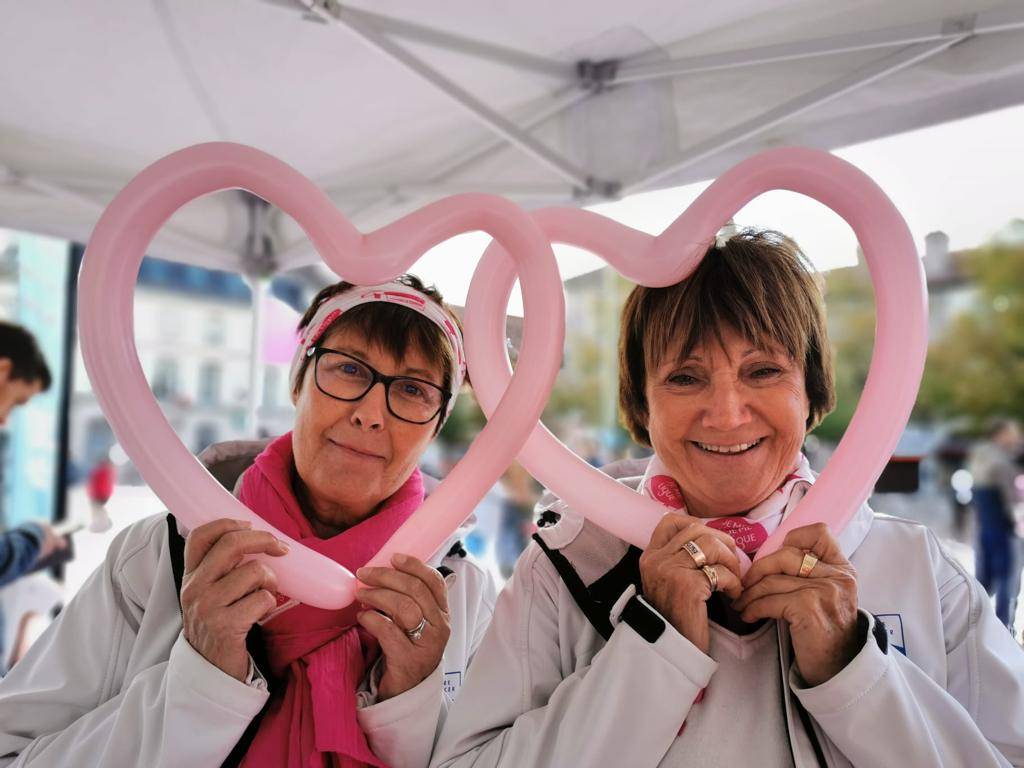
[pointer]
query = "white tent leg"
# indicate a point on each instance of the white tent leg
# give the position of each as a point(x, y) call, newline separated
point(833, 90)
point(259, 287)
point(892, 37)
point(476, 108)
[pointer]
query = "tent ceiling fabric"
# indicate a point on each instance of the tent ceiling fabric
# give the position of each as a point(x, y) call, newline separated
point(390, 104)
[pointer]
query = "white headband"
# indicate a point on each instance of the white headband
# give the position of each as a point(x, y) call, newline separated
point(394, 293)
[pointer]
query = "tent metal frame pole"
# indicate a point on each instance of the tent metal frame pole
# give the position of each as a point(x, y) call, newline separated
point(954, 28)
point(863, 76)
point(474, 106)
point(438, 38)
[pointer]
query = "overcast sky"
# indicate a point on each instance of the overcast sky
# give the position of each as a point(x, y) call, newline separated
point(965, 178)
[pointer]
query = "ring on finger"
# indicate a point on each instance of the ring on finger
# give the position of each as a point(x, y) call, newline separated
point(417, 633)
point(696, 553)
point(712, 575)
point(807, 564)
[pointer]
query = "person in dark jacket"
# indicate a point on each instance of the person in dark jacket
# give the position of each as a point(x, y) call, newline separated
point(992, 465)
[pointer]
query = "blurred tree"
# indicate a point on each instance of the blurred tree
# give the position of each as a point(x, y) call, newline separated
point(851, 325)
point(975, 369)
point(975, 366)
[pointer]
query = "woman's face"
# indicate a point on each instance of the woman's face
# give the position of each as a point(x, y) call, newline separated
point(353, 455)
point(728, 422)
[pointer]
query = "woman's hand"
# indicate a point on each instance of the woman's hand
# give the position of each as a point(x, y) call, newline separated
point(222, 597)
point(673, 583)
point(820, 608)
point(403, 597)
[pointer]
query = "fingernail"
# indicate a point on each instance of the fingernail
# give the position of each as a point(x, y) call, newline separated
point(450, 580)
point(362, 572)
point(399, 559)
point(283, 546)
point(244, 523)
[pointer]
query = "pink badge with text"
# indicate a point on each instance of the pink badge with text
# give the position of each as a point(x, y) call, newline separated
point(748, 536)
point(666, 490)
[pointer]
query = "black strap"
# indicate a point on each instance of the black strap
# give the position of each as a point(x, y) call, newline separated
point(591, 609)
point(253, 641)
point(457, 550)
point(176, 547)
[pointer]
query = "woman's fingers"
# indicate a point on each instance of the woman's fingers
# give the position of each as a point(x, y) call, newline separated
point(242, 580)
point(231, 548)
point(669, 525)
point(816, 538)
point(425, 586)
point(393, 641)
point(400, 607)
point(786, 560)
point(775, 584)
point(251, 608)
point(728, 582)
point(199, 540)
point(718, 547)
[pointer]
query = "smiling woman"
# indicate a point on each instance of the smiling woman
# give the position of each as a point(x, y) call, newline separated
point(662, 656)
point(241, 675)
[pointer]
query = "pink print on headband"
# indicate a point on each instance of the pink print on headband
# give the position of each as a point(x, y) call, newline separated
point(395, 296)
point(323, 327)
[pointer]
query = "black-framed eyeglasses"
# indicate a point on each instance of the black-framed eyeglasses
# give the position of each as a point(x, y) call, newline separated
point(343, 377)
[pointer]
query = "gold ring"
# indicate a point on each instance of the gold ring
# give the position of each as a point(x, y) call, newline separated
point(696, 553)
point(807, 565)
point(712, 575)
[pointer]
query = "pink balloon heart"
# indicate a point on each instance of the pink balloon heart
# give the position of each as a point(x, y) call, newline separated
point(896, 364)
point(106, 290)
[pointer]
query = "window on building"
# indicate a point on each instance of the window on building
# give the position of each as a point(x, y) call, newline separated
point(165, 379)
point(214, 328)
point(209, 384)
point(206, 435)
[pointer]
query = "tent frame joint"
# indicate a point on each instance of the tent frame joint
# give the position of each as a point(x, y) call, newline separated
point(596, 76)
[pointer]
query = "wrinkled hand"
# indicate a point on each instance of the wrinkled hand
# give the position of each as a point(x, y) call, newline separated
point(821, 608)
point(403, 596)
point(222, 596)
point(673, 583)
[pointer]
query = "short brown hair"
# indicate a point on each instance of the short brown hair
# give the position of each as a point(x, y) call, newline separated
point(759, 284)
point(391, 327)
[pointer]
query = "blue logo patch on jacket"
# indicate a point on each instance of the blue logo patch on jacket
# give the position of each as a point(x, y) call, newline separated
point(452, 683)
point(894, 628)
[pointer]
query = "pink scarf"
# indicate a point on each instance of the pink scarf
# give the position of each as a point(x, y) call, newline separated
point(323, 655)
point(750, 529)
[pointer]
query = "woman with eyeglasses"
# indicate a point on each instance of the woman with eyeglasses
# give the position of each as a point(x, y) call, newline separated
point(180, 651)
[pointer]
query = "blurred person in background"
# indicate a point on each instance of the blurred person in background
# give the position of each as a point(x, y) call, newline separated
point(521, 492)
point(23, 375)
point(993, 467)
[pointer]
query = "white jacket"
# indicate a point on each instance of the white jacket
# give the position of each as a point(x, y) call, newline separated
point(545, 688)
point(113, 682)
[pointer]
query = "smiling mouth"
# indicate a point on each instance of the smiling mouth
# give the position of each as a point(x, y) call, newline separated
point(728, 450)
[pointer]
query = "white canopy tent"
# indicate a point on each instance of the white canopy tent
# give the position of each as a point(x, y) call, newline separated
point(569, 102)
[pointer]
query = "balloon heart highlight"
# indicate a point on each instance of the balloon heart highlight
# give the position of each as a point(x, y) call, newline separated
point(896, 363)
point(106, 291)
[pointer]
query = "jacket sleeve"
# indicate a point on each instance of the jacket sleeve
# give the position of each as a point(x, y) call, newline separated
point(976, 720)
point(528, 702)
point(61, 706)
point(402, 730)
point(19, 548)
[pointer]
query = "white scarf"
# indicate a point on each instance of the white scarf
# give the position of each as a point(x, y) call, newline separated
point(750, 529)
